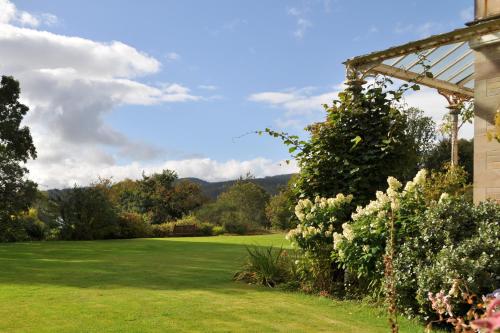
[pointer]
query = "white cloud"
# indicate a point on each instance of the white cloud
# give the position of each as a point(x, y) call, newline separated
point(70, 85)
point(434, 105)
point(73, 172)
point(173, 56)
point(302, 24)
point(27, 49)
point(302, 106)
point(208, 87)
point(9, 14)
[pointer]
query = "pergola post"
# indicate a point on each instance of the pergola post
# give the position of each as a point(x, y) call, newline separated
point(461, 64)
point(455, 103)
point(454, 134)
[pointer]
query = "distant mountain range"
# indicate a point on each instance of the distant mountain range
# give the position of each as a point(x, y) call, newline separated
point(271, 184)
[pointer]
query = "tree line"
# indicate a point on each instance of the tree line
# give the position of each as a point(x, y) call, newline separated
point(351, 152)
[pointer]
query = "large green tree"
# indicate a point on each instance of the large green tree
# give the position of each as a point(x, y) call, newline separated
point(161, 196)
point(16, 148)
point(240, 209)
point(280, 210)
point(422, 131)
point(88, 213)
point(362, 141)
point(440, 156)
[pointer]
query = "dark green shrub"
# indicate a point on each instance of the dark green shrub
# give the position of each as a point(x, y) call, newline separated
point(133, 225)
point(236, 222)
point(362, 141)
point(218, 230)
point(87, 213)
point(205, 229)
point(280, 210)
point(12, 231)
point(469, 254)
point(240, 210)
point(34, 227)
point(25, 226)
point(162, 230)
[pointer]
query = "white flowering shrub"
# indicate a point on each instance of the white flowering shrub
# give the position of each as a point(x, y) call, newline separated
point(361, 244)
point(318, 221)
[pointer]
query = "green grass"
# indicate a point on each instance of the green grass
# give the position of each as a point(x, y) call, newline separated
point(159, 285)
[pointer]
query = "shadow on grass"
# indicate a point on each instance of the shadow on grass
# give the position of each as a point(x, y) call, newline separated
point(161, 264)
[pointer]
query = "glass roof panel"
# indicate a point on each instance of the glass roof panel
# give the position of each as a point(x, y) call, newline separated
point(447, 56)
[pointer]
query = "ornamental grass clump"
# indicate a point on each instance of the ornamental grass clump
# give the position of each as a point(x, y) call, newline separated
point(265, 266)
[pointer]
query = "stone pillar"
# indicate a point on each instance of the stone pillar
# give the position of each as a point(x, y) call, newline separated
point(486, 104)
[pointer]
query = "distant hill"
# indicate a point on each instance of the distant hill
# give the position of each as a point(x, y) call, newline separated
point(271, 184)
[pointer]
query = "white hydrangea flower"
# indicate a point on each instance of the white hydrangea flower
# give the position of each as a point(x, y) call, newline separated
point(420, 177)
point(391, 193)
point(444, 196)
point(337, 239)
point(410, 186)
point(347, 232)
point(394, 184)
point(395, 204)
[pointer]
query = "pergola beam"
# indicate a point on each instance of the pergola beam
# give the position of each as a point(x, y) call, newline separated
point(419, 78)
point(455, 36)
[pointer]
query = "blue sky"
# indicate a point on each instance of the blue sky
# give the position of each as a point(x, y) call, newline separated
point(226, 67)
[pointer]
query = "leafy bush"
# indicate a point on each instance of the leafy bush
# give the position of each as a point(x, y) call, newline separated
point(187, 220)
point(362, 141)
point(318, 221)
point(265, 266)
point(87, 213)
point(280, 210)
point(133, 225)
point(162, 230)
point(240, 210)
point(35, 229)
point(468, 254)
point(205, 229)
point(167, 229)
point(218, 230)
point(25, 226)
point(438, 242)
point(161, 196)
point(439, 156)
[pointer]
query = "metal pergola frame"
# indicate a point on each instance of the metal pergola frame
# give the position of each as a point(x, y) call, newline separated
point(447, 55)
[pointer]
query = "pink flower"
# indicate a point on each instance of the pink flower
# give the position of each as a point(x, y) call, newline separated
point(492, 320)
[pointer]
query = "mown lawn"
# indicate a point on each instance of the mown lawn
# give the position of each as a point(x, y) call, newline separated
point(159, 285)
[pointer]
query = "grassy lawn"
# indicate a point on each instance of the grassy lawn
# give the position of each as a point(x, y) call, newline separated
point(159, 285)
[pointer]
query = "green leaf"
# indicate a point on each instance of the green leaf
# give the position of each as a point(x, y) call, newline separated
point(356, 140)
